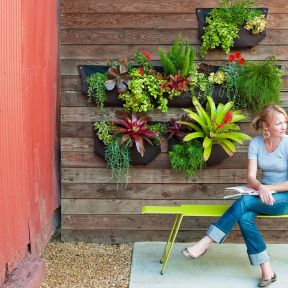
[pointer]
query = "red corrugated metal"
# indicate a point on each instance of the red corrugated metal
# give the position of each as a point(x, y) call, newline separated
point(28, 57)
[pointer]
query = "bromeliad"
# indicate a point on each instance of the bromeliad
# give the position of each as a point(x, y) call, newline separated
point(134, 128)
point(216, 125)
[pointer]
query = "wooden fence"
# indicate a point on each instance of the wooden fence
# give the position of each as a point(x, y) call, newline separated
point(93, 31)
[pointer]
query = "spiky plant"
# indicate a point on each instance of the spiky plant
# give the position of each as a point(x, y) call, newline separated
point(215, 126)
point(179, 59)
point(133, 128)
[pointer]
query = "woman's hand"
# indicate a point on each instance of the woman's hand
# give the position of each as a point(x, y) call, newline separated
point(265, 195)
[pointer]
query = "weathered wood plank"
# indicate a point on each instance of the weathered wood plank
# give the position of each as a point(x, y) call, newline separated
point(143, 191)
point(127, 206)
point(148, 36)
point(130, 236)
point(92, 114)
point(89, 159)
point(151, 6)
point(72, 83)
point(146, 21)
point(100, 52)
point(84, 130)
point(69, 66)
point(146, 175)
point(153, 222)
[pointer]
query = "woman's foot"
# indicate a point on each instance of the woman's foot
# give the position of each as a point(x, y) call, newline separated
point(198, 249)
point(185, 252)
point(266, 282)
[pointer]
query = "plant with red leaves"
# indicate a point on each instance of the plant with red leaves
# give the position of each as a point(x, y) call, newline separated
point(134, 128)
point(175, 84)
point(178, 130)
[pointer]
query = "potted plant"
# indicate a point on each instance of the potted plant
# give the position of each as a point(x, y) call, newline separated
point(102, 84)
point(182, 80)
point(216, 127)
point(235, 24)
point(259, 83)
point(126, 139)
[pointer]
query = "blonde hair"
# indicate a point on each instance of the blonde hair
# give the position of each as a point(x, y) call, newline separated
point(267, 112)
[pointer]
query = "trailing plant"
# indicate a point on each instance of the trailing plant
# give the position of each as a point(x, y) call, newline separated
point(187, 157)
point(117, 157)
point(215, 125)
point(133, 128)
point(223, 24)
point(96, 89)
point(118, 77)
point(260, 84)
point(179, 59)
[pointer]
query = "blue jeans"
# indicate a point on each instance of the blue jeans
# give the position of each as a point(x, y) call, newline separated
point(244, 211)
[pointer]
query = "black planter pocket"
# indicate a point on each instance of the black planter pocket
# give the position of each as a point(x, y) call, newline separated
point(151, 151)
point(219, 94)
point(246, 40)
point(184, 100)
point(217, 156)
point(85, 71)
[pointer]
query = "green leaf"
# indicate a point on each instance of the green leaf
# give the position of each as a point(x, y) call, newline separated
point(207, 142)
point(193, 135)
point(207, 152)
point(189, 124)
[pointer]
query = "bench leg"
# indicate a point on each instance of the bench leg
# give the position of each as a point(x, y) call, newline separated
point(170, 242)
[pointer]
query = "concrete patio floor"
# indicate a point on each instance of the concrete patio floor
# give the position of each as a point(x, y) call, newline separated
point(225, 265)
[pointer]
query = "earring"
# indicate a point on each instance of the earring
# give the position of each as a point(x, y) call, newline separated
point(266, 134)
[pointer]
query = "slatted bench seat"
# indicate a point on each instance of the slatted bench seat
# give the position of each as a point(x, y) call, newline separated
point(190, 211)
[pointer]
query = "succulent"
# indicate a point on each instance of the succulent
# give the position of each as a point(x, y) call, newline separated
point(118, 76)
point(133, 128)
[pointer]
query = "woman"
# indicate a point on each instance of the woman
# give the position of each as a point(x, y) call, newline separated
point(269, 152)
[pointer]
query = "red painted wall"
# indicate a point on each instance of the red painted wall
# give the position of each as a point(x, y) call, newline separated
point(28, 127)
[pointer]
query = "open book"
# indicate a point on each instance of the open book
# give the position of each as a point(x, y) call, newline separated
point(238, 191)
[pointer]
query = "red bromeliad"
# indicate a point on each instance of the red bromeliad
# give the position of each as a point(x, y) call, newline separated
point(134, 128)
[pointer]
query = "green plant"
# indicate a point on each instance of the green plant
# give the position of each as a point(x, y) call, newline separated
point(117, 157)
point(187, 157)
point(215, 126)
point(260, 84)
point(144, 90)
point(223, 24)
point(103, 131)
point(160, 128)
point(96, 88)
point(179, 59)
point(133, 128)
point(232, 71)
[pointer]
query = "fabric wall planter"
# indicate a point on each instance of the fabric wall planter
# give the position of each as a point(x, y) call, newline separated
point(246, 40)
point(218, 154)
point(151, 151)
point(219, 94)
point(87, 70)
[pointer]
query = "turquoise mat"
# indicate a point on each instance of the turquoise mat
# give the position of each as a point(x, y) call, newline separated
point(223, 266)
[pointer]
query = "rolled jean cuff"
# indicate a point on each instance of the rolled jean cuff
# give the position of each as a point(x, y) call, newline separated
point(216, 234)
point(259, 258)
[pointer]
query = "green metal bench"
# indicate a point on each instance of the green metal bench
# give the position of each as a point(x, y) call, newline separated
point(187, 210)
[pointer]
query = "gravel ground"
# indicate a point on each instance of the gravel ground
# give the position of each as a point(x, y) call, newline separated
point(87, 265)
